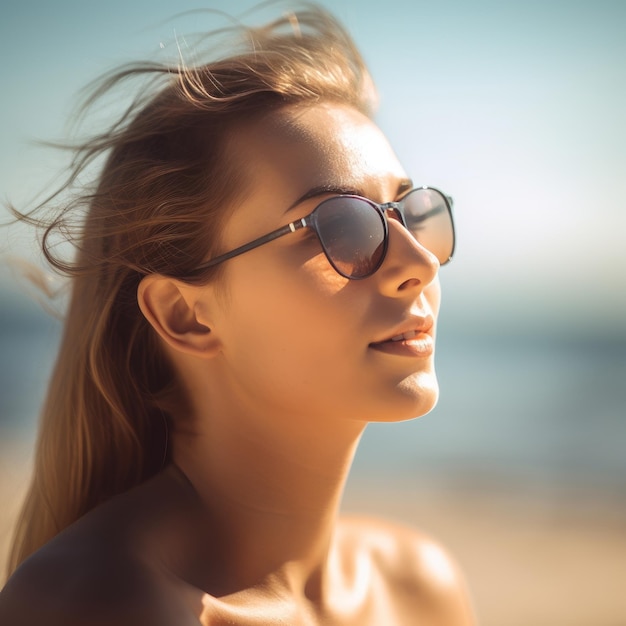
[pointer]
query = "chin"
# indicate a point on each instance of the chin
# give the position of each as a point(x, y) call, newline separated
point(414, 396)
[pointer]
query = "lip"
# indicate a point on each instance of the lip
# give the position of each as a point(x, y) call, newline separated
point(411, 338)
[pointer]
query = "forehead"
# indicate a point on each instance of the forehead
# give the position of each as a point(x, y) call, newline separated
point(297, 148)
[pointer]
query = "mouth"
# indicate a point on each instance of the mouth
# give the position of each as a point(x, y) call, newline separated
point(410, 334)
point(414, 338)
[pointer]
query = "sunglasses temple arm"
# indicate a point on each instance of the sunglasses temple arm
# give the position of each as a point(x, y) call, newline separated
point(280, 232)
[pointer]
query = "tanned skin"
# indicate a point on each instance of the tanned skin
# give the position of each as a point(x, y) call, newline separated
point(282, 373)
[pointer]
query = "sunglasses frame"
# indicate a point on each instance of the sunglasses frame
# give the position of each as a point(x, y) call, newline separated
point(310, 221)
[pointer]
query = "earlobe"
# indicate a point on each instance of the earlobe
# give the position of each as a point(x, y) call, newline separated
point(170, 307)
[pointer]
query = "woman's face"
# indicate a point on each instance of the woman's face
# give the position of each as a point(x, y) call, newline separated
point(296, 337)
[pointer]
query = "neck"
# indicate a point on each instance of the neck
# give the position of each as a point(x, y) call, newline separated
point(271, 491)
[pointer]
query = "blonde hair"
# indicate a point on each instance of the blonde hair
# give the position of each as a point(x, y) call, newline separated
point(156, 207)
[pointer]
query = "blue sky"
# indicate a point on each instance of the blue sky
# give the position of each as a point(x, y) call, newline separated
point(515, 109)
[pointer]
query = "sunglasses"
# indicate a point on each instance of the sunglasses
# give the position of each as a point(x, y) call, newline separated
point(354, 232)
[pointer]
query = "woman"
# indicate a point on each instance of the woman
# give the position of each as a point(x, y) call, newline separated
point(255, 281)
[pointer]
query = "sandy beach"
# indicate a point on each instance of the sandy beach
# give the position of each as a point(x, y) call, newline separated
point(531, 559)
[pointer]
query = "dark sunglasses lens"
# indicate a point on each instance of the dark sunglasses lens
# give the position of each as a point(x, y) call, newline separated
point(429, 219)
point(352, 233)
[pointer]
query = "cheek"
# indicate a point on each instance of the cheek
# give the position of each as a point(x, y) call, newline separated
point(296, 340)
point(285, 326)
point(289, 291)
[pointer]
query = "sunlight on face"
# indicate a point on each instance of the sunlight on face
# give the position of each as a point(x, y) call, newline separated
point(310, 329)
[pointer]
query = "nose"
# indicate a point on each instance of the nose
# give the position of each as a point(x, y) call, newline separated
point(408, 265)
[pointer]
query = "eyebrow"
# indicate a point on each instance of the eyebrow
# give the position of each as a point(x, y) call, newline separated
point(404, 185)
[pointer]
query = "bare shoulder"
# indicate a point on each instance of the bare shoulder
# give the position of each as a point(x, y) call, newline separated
point(415, 572)
point(59, 587)
point(94, 573)
point(69, 583)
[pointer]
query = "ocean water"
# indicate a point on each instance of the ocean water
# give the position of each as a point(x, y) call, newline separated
point(542, 409)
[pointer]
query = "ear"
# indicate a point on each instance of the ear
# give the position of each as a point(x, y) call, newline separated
point(171, 308)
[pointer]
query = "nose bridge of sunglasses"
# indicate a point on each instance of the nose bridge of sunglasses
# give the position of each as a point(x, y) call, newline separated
point(393, 210)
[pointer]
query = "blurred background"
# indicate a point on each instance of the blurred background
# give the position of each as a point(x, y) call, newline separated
point(517, 111)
